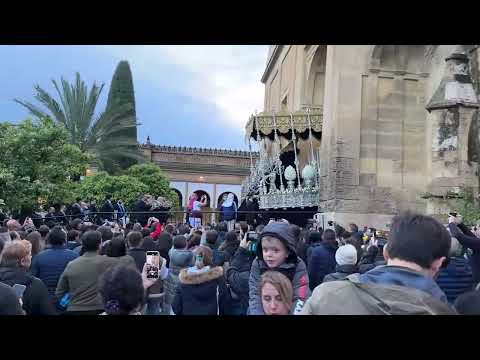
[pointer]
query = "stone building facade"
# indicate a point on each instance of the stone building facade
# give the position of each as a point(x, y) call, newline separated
point(213, 172)
point(379, 144)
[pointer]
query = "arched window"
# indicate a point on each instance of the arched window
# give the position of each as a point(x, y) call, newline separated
point(220, 198)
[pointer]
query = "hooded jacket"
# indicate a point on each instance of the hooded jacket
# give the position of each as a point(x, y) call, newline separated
point(179, 259)
point(35, 298)
point(293, 267)
point(198, 292)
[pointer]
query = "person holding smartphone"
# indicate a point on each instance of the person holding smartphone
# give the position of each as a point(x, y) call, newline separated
point(468, 239)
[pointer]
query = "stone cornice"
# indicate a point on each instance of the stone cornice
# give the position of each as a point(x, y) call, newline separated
point(271, 61)
point(198, 151)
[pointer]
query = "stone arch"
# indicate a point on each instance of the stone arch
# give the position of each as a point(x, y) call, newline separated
point(219, 199)
point(180, 196)
point(315, 76)
point(200, 193)
point(403, 58)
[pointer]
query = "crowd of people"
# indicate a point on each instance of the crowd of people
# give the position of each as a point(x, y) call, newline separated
point(77, 266)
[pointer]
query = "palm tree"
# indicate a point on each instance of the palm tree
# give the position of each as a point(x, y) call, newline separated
point(98, 136)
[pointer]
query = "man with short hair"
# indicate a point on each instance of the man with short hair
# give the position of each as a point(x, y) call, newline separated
point(135, 242)
point(417, 247)
point(49, 264)
point(80, 278)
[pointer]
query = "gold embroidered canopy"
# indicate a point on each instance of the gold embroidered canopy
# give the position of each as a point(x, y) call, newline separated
point(266, 123)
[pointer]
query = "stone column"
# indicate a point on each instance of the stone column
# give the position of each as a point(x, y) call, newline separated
point(453, 107)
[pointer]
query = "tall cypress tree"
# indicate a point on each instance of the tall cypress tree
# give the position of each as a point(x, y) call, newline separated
point(121, 92)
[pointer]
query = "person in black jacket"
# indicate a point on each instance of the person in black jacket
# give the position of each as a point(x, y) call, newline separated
point(107, 209)
point(313, 239)
point(141, 208)
point(455, 277)
point(463, 234)
point(229, 246)
point(135, 250)
point(16, 260)
point(202, 289)
point(322, 260)
point(238, 274)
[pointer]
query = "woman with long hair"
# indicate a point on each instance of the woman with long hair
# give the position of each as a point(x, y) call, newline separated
point(277, 293)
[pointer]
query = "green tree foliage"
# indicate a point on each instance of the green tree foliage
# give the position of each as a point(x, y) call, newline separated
point(156, 180)
point(99, 136)
point(122, 93)
point(136, 181)
point(467, 207)
point(37, 162)
point(101, 184)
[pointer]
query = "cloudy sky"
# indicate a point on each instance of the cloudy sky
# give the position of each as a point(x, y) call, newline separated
point(185, 95)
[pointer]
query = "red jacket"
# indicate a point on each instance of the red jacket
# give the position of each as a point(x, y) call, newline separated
point(158, 229)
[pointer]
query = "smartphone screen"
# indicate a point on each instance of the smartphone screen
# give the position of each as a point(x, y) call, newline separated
point(153, 264)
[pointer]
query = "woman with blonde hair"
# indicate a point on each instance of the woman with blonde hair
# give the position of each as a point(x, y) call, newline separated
point(276, 292)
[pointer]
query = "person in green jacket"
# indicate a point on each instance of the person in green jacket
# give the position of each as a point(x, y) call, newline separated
point(80, 278)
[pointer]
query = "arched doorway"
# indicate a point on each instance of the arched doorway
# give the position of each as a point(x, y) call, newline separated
point(220, 198)
point(206, 218)
point(178, 217)
point(220, 201)
point(180, 197)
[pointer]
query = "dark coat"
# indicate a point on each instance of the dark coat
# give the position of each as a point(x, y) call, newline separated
point(139, 255)
point(9, 304)
point(228, 250)
point(141, 207)
point(456, 278)
point(465, 237)
point(197, 293)
point(107, 211)
point(238, 274)
point(310, 249)
point(367, 262)
point(49, 265)
point(164, 244)
point(341, 272)
point(35, 298)
point(322, 262)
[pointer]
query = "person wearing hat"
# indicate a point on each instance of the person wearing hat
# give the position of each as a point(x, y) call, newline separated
point(276, 251)
point(346, 258)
